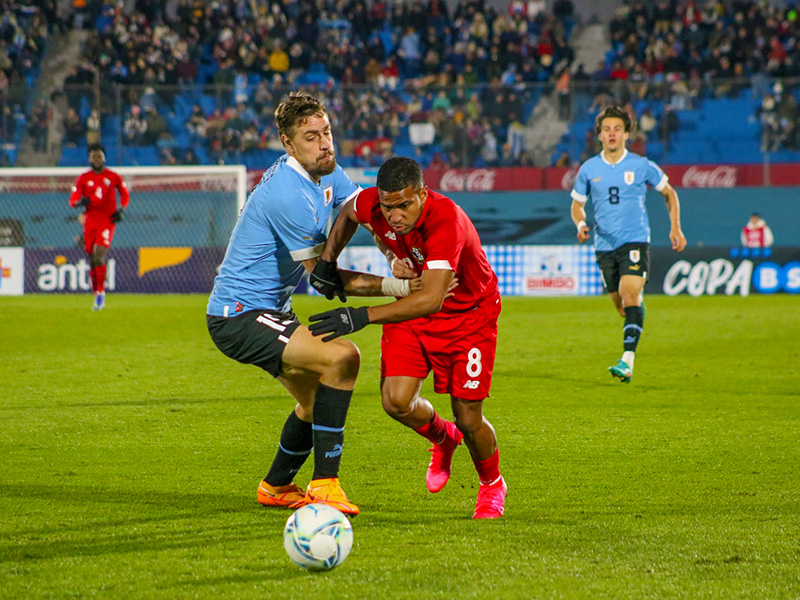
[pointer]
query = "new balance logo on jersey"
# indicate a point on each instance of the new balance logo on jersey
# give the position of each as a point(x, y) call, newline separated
point(472, 384)
point(391, 235)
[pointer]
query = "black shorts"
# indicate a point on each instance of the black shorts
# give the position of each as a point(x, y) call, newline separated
point(630, 259)
point(255, 337)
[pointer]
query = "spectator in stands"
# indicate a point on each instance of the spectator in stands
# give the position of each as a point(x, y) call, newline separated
point(40, 119)
point(563, 93)
point(8, 125)
point(410, 52)
point(770, 124)
point(756, 233)
point(135, 127)
point(156, 128)
point(197, 125)
point(190, 157)
point(74, 129)
point(647, 123)
point(93, 128)
point(670, 123)
point(564, 160)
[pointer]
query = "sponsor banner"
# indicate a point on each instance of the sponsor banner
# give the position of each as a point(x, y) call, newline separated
point(546, 270)
point(12, 271)
point(728, 271)
point(561, 178)
point(521, 270)
point(130, 270)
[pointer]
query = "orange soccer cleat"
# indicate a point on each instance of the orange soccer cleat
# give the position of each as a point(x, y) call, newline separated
point(491, 500)
point(442, 458)
point(328, 491)
point(282, 495)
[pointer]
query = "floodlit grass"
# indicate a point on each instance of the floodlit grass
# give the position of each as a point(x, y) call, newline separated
point(132, 449)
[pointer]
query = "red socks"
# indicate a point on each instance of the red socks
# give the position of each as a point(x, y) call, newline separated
point(489, 469)
point(435, 431)
point(100, 275)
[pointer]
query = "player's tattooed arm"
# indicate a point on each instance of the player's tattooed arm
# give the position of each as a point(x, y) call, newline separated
point(355, 283)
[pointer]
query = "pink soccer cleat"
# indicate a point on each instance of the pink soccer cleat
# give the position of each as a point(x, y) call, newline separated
point(491, 500)
point(442, 458)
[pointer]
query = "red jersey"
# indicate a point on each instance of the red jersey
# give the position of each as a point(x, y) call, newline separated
point(100, 189)
point(443, 238)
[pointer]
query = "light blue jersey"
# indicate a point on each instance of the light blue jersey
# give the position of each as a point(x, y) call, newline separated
point(285, 221)
point(618, 192)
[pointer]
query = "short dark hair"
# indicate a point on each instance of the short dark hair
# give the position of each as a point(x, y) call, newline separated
point(296, 108)
point(613, 112)
point(93, 147)
point(398, 173)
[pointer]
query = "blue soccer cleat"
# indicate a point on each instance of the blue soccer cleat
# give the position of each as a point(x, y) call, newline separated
point(621, 370)
point(99, 302)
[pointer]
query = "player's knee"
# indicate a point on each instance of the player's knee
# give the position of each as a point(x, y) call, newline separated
point(345, 359)
point(468, 417)
point(394, 405)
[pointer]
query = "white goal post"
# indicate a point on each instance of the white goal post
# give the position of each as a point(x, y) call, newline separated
point(172, 238)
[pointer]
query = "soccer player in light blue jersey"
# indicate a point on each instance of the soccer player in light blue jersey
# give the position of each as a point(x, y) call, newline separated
point(279, 235)
point(616, 182)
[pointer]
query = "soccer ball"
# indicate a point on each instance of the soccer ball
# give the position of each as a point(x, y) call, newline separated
point(317, 537)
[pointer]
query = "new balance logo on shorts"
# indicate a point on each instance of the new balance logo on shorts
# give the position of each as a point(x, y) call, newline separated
point(472, 384)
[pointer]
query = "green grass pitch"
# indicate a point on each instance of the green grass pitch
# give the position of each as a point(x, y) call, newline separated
point(132, 449)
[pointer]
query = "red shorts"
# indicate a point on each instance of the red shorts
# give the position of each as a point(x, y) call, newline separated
point(460, 350)
point(98, 233)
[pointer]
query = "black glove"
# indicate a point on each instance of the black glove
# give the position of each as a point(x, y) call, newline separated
point(84, 202)
point(117, 216)
point(339, 321)
point(326, 280)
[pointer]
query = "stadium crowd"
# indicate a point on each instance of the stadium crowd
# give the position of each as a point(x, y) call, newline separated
point(382, 66)
point(681, 52)
point(455, 86)
point(25, 26)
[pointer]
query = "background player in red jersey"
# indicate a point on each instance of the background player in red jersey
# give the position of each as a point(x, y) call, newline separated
point(453, 332)
point(95, 191)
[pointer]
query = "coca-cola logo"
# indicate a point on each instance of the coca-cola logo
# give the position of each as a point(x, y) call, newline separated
point(568, 180)
point(478, 180)
point(717, 177)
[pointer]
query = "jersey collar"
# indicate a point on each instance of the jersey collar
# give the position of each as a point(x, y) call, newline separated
point(603, 157)
point(294, 164)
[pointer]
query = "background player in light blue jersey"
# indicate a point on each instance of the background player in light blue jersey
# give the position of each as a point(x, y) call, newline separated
point(279, 235)
point(616, 182)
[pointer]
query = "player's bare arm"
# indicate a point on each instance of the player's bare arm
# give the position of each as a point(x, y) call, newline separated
point(428, 300)
point(365, 284)
point(343, 230)
point(674, 207)
point(341, 321)
point(578, 211)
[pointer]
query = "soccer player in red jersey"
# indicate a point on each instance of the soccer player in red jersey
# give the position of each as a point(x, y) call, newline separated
point(95, 191)
point(452, 332)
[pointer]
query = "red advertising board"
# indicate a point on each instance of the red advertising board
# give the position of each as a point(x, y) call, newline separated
point(504, 179)
point(560, 178)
